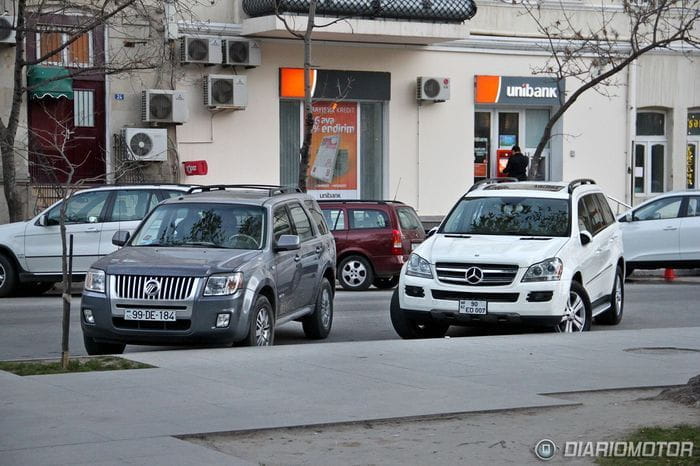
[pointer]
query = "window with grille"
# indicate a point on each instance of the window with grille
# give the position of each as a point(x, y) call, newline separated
point(78, 53)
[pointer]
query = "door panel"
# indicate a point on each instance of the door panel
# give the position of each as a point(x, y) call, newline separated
point(286, 263)
point(84, 216)
point(309, 256)
point(690, 231)
point(654, 232)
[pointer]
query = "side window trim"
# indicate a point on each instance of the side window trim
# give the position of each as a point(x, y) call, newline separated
point(292, 204)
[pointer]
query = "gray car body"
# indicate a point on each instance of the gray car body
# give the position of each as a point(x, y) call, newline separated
point(289, 279)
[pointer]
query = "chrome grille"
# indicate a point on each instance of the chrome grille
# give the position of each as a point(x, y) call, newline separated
point(493, 274)
point(161, 288)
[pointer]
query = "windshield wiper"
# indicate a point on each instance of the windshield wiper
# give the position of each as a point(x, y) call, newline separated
point(535, 238)
point(205, 244)
point(457, 235)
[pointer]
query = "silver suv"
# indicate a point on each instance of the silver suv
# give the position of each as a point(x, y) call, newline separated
point(227, 263)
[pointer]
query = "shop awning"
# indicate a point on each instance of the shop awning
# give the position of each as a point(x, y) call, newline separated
point(49, 81)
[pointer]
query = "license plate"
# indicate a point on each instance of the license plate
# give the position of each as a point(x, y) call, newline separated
point(467, 306)
point(149, 314)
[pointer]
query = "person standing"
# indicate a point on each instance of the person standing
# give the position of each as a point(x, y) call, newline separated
point(517, 165)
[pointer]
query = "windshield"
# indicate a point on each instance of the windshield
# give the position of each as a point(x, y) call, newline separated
point(203, 225)
point(522, 216)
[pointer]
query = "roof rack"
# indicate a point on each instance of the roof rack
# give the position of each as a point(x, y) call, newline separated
point(378, 201)
point(272, 190)
point(488, 181)
point(579, 182)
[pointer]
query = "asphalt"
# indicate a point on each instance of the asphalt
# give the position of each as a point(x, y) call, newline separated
point(133, 417)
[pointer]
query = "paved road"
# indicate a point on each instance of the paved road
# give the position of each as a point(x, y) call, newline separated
point(30, 327)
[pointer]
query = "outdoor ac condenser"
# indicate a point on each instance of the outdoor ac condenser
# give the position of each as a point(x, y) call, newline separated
point(432, 89)
point(164, 106)
point(241, 52)
point(145, 144)
point(225, 91)
point(203, 50)
point(7, 31)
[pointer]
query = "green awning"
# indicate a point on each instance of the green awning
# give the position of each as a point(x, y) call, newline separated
point(49, 81)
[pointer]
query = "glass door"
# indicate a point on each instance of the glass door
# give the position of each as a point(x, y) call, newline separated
point(692, 164)
point(508, 136)
point(482, 144)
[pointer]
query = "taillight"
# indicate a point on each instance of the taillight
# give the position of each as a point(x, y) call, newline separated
point(397, 247)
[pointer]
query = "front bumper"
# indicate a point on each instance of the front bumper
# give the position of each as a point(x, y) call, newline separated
point(529, 303)
point(196, 322)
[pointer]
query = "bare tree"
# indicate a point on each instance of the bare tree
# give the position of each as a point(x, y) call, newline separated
point(306, 36)
point(592, 48)
point(139, 26)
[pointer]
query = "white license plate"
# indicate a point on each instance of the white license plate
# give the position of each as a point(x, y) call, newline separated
point(149, 314)
point(467, 306)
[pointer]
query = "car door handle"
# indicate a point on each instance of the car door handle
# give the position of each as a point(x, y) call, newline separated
point(319, 249)
point(92, 230)
point(670, 228)
point(297, 258)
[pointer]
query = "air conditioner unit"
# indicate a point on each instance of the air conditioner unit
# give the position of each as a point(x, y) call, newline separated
point(241, 52)
point(164, 106)
point(145, 144)
point(433, 89)
point(203, 50)
point(7, 31)
point(224, 91)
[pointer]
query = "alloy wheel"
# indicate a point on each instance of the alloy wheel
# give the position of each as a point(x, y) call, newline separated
point(618, 296)
point(2, 275)
point(263, 328)
point(574, 318)
point(354, 273)
point(325, 308)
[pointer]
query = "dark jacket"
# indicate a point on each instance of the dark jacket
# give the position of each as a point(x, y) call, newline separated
point(517, 166)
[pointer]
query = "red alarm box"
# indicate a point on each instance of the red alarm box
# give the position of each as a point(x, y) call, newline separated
point(196, 167)
point(502, 156)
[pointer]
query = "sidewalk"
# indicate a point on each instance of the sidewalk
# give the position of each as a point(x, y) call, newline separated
point(683, 276)
point(129, 417)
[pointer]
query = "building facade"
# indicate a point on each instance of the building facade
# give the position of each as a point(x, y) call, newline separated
point(380, 133)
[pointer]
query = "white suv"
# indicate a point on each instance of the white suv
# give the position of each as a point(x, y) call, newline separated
point(547, 254)
point(30, 252)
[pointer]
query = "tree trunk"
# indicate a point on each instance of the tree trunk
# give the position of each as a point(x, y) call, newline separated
point(308, 108)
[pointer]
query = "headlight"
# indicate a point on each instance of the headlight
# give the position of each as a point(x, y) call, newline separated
point(95, 281)
point(223, 284)
point(545, 271)
point(418, 267)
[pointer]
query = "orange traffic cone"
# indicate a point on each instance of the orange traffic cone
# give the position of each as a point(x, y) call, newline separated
point(669, 275)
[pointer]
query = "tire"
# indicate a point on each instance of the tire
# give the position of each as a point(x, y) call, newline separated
point(317, 326)
point(409, 329)
point(613, 316)
point(355, 273)
point(8, 277)
point(385, 283)
point(577, 314)
point(261, 331)
point(95, 348)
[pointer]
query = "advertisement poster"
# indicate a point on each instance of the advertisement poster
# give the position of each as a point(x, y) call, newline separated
point(334, 156)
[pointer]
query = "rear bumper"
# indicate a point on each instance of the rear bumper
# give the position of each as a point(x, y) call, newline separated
point(388, 266)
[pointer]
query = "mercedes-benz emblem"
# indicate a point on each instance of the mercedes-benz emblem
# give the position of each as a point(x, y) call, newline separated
point(474, 275)
point(151, 287)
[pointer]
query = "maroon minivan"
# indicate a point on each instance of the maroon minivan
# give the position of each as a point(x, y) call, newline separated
point(373, 240)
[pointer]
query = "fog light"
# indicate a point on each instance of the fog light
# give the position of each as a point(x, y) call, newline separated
point(222, 320)
point(89, 318)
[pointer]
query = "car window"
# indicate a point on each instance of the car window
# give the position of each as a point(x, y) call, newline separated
point(584, 220)
point(203, 225)
point(595, 214)
point(608, 216)
point(408, 219)
point(368, 218)
point(509, 215)
point(281, 225)
point(168, 194)
point(301, 222)
point(693, 207)
point(335, 218)
point(82, 208)
point(317, 216)
point(666, 208)
point(132, 205)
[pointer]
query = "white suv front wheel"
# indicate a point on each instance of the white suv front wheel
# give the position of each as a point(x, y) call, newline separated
point(577, 312)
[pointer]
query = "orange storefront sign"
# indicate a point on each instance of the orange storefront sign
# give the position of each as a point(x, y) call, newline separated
point(292, 82)
point(486, 89)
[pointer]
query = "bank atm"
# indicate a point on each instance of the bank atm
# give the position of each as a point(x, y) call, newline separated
point(502, 156)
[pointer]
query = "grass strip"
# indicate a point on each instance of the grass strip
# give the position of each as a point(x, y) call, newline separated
point(681, 433)
point(82, 364)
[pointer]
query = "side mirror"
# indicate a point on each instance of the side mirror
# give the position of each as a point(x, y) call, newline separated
point(431, 232)
point(288, 243)
point(120, 238)
point(43, 220)
point(585, 237)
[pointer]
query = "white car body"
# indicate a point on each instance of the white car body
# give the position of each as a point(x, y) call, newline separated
point(33, 248)
point(594, 265)
point(663, 231)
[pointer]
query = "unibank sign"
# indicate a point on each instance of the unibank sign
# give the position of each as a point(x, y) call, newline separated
point(517, 90)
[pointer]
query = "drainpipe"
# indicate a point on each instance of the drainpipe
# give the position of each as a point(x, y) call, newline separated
point(631, 128)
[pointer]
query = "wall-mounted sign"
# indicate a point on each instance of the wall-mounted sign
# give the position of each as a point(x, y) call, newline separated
point(518, 90)
point(694, 124)
point(196, 167)
point(336, 84)
point(118, 96)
